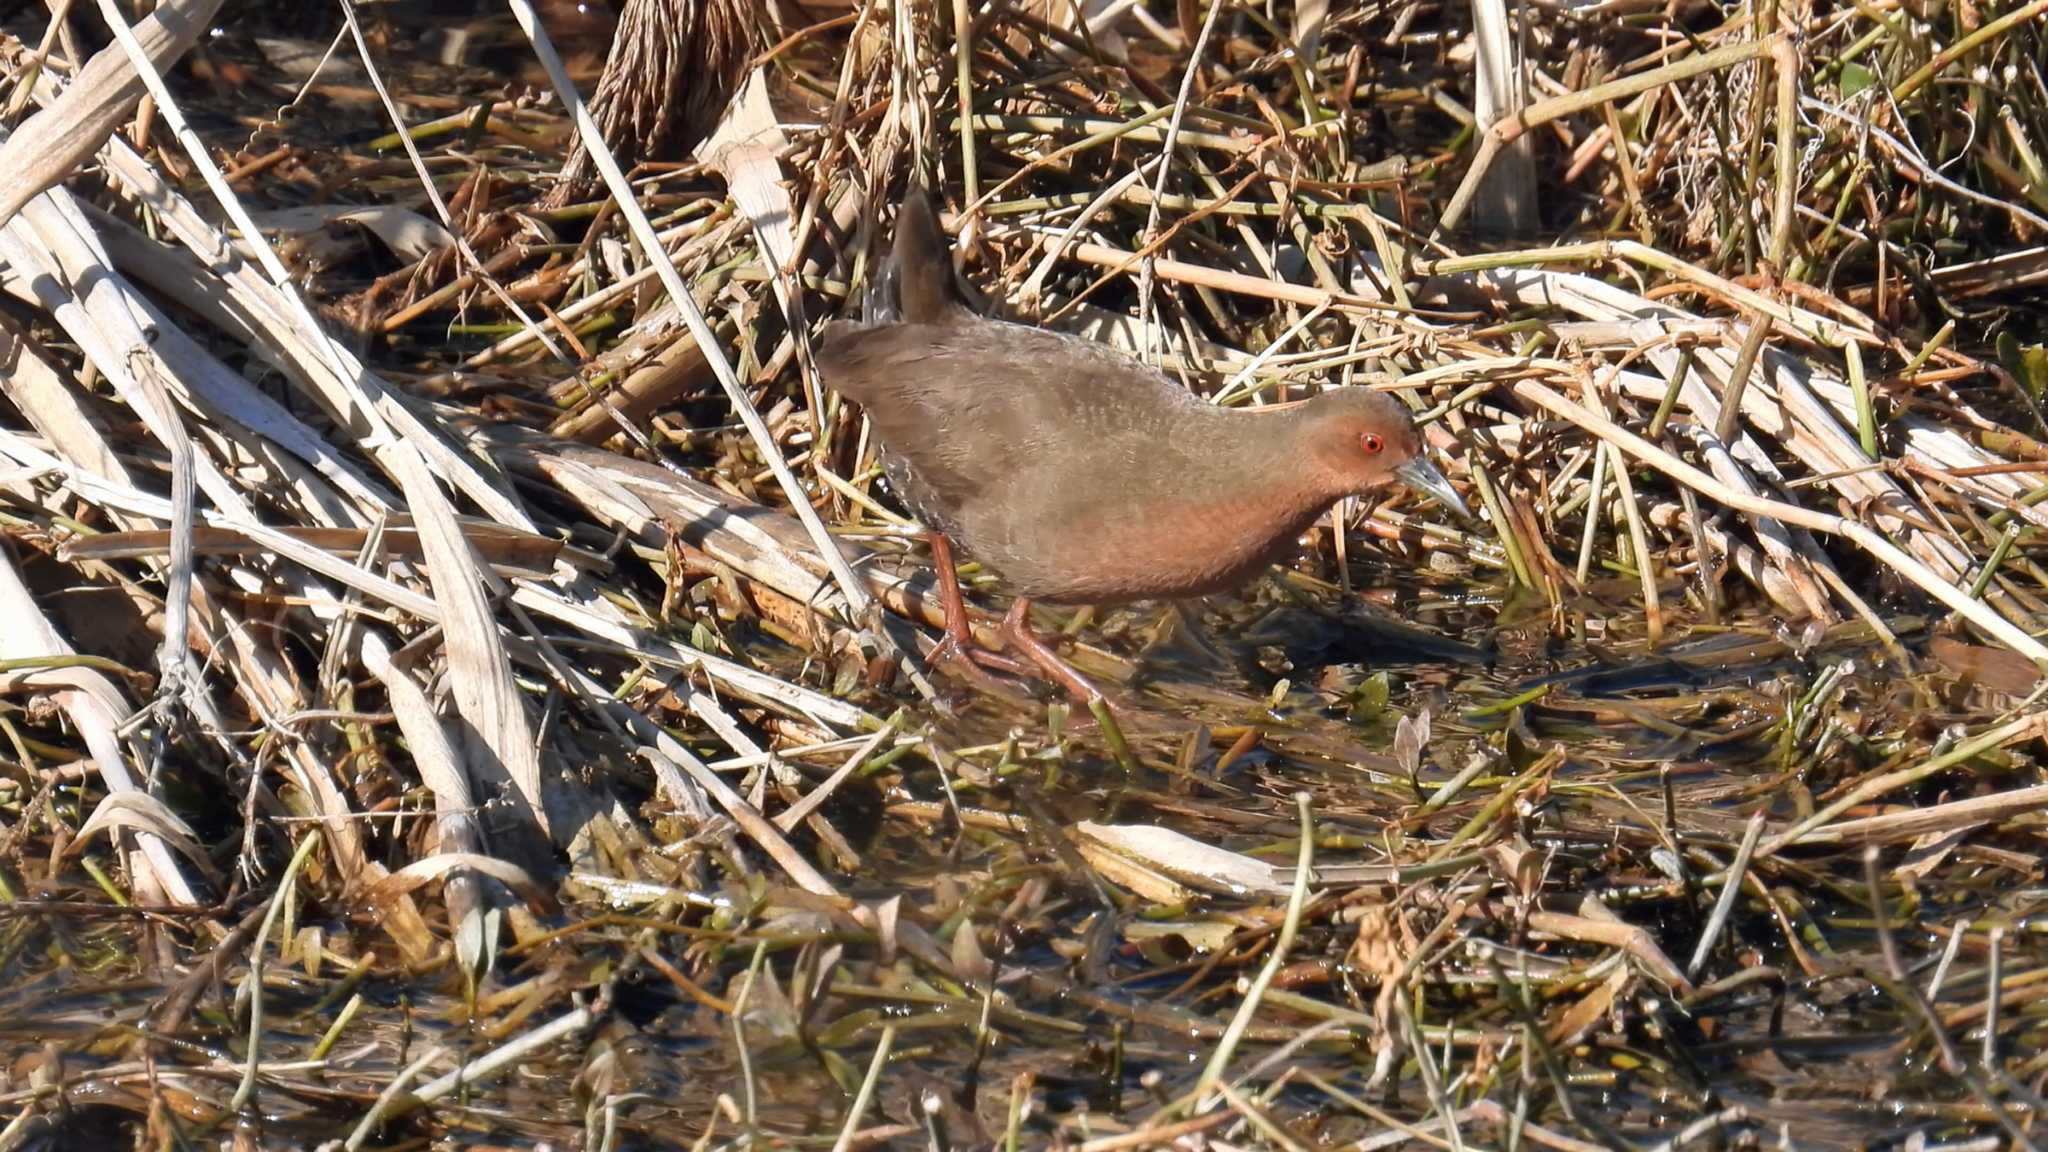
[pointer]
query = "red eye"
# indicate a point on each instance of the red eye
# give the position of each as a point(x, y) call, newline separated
point(1371, 442)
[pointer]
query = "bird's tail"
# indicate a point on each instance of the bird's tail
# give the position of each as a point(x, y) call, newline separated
point(919, 273)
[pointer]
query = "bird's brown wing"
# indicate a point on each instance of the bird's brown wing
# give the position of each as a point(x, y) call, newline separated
point(1008, 436)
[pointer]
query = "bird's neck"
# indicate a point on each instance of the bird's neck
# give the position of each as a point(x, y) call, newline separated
point(1264, 460)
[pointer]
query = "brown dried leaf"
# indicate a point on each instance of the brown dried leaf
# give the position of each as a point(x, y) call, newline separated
point(142, 812)
point(433, 867)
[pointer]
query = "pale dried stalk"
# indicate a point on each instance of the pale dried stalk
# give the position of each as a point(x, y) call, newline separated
point(55, 142)
point(790, 817)
point(485, 693)
point(1881, 549)
point(488, 1065)
point(1913, 823)
point(651, 250)
point(98, 711)
point(1507, 192)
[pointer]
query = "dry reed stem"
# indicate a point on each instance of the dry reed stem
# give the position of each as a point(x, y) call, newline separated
point(1881, 549)
point(53, 143)
point(651, 250)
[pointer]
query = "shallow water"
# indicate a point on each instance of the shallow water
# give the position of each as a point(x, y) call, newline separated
point(1108, 1002)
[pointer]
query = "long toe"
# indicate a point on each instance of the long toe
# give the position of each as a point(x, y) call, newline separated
point(949, 656)
point(999, 662)
point(1082, 689)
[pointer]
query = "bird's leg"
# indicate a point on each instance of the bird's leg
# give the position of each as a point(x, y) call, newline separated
point(1017, 632)
point(959, 639)
point(958, 648)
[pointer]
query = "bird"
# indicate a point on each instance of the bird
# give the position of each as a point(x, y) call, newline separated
point(1078, 474)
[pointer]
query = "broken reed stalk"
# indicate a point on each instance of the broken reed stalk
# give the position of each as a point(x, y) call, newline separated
point(859, 603)
point(1507, 129)
point(1880, 549)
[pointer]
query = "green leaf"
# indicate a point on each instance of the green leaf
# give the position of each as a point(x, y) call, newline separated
point(1369, 699)
point(1855, 78)
point(2028, 364)
point(2034, 371)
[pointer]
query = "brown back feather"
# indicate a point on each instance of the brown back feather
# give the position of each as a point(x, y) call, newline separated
point(912, 382)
